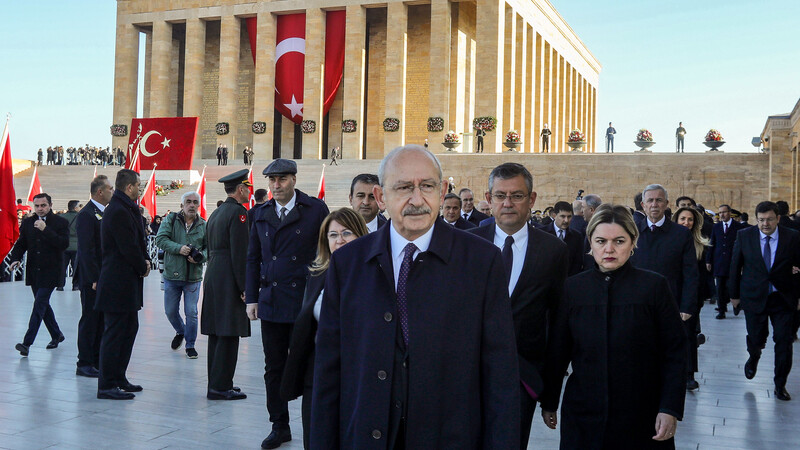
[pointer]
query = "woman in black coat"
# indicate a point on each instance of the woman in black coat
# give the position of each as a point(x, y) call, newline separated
point(339, 228)
point(622, 332)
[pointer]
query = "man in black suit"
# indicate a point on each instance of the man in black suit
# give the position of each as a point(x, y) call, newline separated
point(363, 200)
point(560, 228)
point(536, 265)
point(119, 288)
point(578, 222)
point(783, 213)
point(638, 213)
point(718, 256)
point(90, 256)
point(667, 248)
point(44, 236)
point(451, 207)
point(73, 207)
point(423, 364)
point(761, 277)
point(468, 211)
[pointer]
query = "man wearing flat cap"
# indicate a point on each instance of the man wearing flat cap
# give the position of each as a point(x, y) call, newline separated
point(224, 316)
point(283, 243)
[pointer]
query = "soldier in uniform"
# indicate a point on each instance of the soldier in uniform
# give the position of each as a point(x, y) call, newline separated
point(224, 316)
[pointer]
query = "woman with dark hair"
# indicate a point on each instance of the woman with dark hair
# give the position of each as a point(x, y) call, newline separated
point(622, 332)
point(155, 225)
point(339, 228)
point(693, 220)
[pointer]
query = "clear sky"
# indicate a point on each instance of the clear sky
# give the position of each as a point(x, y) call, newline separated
point(709, 63)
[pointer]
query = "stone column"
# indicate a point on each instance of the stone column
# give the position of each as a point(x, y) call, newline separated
point(563, 104)
point(538, 93)
point(530, 82)
point(555, 104)
point(780, 165)
point(313, 81)
point(520, 73)
point(148, 63)
point(126, 68)
point(490, 32)
point(229, 43)
point(159, 69)
point(509, 68)
point(264, 95)
point(353, 80)
point(194, 65)
point(593, 124)
point(395, 82)
point(439, 90)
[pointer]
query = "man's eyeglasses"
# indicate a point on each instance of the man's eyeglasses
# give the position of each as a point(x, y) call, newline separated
point(406, 190)
point(346, 234)
point(515, 198)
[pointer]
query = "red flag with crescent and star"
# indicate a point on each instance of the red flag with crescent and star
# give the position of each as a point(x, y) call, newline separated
point(201, 192)
point(166, 141)
point(148, 200)
point(36, 185)
point(9, 227)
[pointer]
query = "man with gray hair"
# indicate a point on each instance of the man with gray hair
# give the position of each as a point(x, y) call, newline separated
point(578, 222)
point(422, 363)
point(590, 204)
point(182, 236)
point(667, 248)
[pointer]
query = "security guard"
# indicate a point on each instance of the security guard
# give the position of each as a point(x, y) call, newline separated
point(224, 317)
point(283, 243)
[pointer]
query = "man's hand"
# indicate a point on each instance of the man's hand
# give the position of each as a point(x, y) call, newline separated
point(550, 419)
point(94, 286)
point(252, 311)
point(685, 317)
point(13, 266)
point(795, 270)
point(40, 224)
point(665, 427)
point(191, 260)
point(185, 250)
point(708, 267)
point(735, 302)
point(148, 270)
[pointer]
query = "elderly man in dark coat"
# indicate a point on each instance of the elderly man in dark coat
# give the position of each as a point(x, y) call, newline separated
point(283, 243)
point(44, 236)
point(119, 288)
point(405, 360)
point(224, 318)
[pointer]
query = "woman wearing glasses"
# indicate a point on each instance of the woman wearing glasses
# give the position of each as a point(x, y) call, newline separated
point(339, 228)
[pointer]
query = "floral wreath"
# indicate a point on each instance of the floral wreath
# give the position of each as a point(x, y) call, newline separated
point(435, 124)
point(308, 126)
point(259, 127)
point(119, 129)
point(485, 123)
point(391, 124)
point(349, 126)
point(223, 128)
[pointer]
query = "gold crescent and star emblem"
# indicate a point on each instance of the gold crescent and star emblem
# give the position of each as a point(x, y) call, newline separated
point(143, 144)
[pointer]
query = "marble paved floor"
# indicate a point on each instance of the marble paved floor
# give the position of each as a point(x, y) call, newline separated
point(43, 404)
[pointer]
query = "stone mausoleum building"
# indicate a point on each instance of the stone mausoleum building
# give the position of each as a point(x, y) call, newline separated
point(515, 60)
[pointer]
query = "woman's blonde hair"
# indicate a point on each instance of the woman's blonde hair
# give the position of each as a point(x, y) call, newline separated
point(346, 217)
point(618, 214)
point(700, 243)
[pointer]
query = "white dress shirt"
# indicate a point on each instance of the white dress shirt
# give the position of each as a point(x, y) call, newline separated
point(289, 206)
point(398, 244)
point(657, 224)
point(561, 234)
point(469, 214)
point(519, 249)
point(372, 226)
point(98, 205)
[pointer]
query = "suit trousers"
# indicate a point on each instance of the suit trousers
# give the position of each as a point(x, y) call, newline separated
point(275, 338)
point(723, 296)
point(306, 404)
point(690, 326)
point(782, 317)
point(90, 329)
point(527, 408)
point(223, 353)
point(70, 258)
point(116, 347)
point(41, 312)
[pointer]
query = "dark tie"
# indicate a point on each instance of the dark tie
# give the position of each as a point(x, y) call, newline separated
point(402, 289)
point(283, 213)
point(561, 234)
point(466, 216)
point(724, 228)
point(768, 254)
point(508, 257)
point(653, 228)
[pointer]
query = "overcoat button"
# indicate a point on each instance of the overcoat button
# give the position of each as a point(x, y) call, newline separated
point(298, 231)
point(381, 375)
point(294, 284)
point(376, 434)
point(294, 258)
point(387, 317)
point(274, 258)
point(274, 283)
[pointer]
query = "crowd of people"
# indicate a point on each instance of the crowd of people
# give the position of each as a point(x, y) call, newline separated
point(86, 155)
point(444, 328)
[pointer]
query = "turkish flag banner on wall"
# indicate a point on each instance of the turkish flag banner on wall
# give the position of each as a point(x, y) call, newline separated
point(290, 59)
point(166, 141)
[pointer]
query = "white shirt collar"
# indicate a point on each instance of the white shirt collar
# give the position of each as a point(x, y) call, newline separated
point(398, 244)
point(469, 214)
point(658, 224)
point(728, 223)
point(519, 249)
point(98, 205)
point(289, 206)
point(372, 226)
point(555, 227)
point(448, 222)
point(773, 236)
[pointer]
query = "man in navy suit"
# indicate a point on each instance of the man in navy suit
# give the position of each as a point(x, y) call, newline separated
point(403, 359)
point(536, 265)
point(574, 240)
point(761, 277)
point(718, 256)
point(450, 212)
point(468, 211)
point(667, 248)
point(363, 200)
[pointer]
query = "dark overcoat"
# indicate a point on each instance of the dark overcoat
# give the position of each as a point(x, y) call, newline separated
point(476, 217)
point(669, 251)
point(463, 382)
point(576, 243)
point(119, 288)
point(625, 340)
point(749, 279)
point(90, 252)
point(224, 313)
point(721, 248)
point(45, 250)
point(279, 255)
point(462, 224)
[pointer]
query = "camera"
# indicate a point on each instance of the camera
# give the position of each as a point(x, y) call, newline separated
point(580, 195)
point(195, 254)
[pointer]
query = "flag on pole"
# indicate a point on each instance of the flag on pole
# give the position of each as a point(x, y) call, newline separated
point(321, 194)
point(95, 172)
point(252, 201)
point(201, 192)
point(148, 200)
point(133, 162)
point(36, 185)
point(9, 227)
point(269, 194)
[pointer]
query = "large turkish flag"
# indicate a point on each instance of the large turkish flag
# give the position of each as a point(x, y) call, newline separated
point(166, 141)
point(290, 58)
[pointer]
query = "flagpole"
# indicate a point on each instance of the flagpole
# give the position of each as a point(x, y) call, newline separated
point(30, 189)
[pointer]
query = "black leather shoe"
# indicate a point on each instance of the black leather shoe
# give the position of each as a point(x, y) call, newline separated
point(114, 394)
point(701, 339)
point(87, 371)
point(214, 394)
point(781, 394)
point(237, 389)
point(276, 438)
point(22, 349)
point(177, 341)
point(54, 343)
point(60, 289)
point(721, 315)
point(750, 368)
point(736, 310)
point(131, 387)
point(692, 384)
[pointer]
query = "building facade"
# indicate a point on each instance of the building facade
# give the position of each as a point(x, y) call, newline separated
point(515, 60)
point(780, 140)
